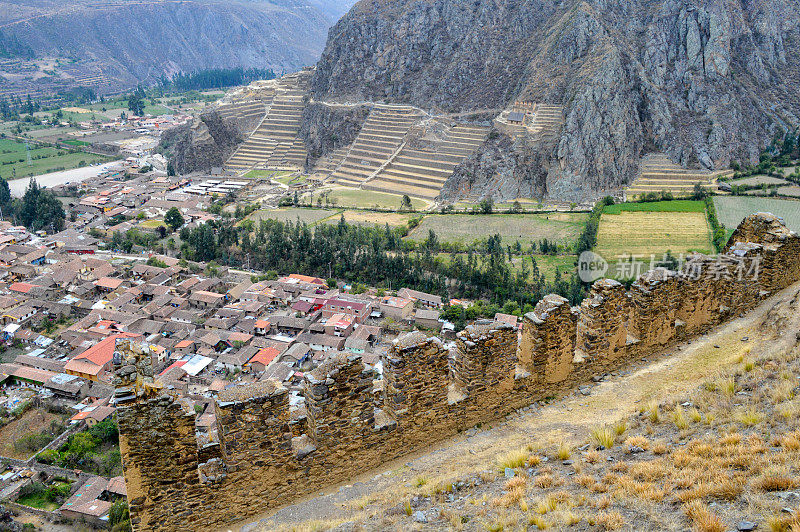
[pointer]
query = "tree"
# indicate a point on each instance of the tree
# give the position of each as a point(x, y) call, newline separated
point(174, 218)
point(405, 203)
point(486, 206)
point(5, 195)
point(136, 101)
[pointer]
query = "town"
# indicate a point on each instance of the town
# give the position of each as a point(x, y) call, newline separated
point(67, 299)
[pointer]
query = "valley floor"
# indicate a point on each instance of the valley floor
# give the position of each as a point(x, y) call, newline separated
point(726, 458)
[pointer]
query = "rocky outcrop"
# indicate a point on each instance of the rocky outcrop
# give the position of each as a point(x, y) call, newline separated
point(706, 82)
point(327, 128)
point(501, 168)
point(206, 143)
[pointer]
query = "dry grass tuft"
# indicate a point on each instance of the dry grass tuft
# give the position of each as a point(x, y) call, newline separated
point(610, 520)
point(728, 387)
point(604, 436)
point(534, 460)
point(776, 479)
point(592, 456)
point(513, 459)
point(750, 417)
point(652, 411)
point(638, 441)
point(660, 448)
point(544, 481)
point(538, 522)
point(703, 518)
point(564, 451)
point(785, 523)
point(679, 418)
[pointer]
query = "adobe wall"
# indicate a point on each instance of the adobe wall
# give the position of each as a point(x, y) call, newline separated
point(267, 456)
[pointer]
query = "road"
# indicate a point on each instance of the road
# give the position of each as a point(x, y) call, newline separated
point(53, 179)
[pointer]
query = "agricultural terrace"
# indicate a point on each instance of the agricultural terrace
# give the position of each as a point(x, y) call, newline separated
point(645, 229)
point(560, 227)
point(731, 210)
point(14, 159)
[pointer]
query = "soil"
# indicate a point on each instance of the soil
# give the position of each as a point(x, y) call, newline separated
point(33, 421)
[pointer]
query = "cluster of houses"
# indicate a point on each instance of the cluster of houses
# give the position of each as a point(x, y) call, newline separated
point(68, 304)
point(114, 202)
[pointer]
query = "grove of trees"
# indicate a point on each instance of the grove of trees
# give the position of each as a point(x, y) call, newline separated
point(39, 209)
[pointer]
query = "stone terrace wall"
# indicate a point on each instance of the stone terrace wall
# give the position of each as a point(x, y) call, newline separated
point(267, 457)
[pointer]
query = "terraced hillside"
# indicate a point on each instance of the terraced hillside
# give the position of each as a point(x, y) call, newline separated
point(660, 173)
point(381, 136)
point(274, 144)
point(421, 173)
point(547, 121)
point(248, 104)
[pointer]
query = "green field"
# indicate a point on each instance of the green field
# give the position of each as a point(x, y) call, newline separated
point(292, 214)
point(731, 210)
point(563, 228)
point(365, 199)
point(394, 219)
point(645, 229)
point(50, 164)
point(657, 206)
point(284, 177)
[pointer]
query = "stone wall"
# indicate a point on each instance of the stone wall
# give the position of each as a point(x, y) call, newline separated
point(269, 455)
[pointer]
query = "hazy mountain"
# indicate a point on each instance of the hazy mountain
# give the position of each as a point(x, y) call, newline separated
point(132, 40)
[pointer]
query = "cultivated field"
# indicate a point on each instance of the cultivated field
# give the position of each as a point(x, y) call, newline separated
point(652, 233)
point(731, 210)
point(758, 180)
point(791, 190)
point(371, 218)
point(14, 160)
point(309, 216)
point(366, 199)
point(563, 228)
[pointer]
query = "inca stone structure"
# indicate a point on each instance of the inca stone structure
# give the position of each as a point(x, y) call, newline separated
point(269, 456)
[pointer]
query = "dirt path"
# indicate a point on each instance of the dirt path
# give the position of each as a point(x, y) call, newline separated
point(670, 374)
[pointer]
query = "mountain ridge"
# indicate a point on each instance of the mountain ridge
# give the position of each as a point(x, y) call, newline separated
point(705, 82)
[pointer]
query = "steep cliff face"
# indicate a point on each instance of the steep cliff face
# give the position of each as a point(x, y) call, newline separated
point(501, 168)
point(704, 81)
point(327, 128)
point(206, 143)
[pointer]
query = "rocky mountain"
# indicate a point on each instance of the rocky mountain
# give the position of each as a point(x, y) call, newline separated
point(705, 81)
point(138, 40)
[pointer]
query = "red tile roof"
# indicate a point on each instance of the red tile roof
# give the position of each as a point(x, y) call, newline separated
point(265, 356)
point(103, 351)
point(22, 287)
point(108, 282)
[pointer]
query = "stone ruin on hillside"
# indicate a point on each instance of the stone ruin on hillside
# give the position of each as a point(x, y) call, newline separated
point(267, 457)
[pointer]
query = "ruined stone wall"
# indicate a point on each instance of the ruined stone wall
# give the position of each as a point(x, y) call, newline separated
point(269, 456)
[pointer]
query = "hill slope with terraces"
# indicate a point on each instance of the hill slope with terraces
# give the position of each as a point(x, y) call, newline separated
point(702, 82)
